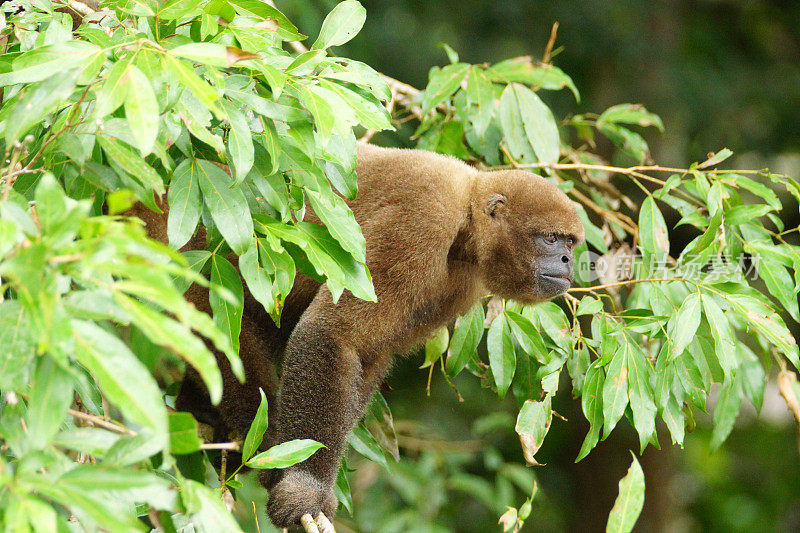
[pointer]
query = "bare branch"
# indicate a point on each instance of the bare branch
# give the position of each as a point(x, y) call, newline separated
point(309, 525)
point(324, 524)
point(320, 525)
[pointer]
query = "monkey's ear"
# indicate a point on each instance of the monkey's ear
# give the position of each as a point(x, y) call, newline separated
point(494, 204)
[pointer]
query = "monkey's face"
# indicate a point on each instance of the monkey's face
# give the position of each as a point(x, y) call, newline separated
point(527, 239)
point(532, 268)
point(552, 264)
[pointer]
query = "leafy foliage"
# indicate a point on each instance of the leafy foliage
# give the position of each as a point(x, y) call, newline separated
point(198, 104)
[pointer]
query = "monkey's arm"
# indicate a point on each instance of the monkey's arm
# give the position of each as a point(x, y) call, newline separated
point(334, 359)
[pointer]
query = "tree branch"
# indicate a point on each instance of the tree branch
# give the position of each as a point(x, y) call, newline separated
point(100, 422)
point(319, 525)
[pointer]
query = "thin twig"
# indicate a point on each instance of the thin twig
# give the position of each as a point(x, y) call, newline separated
point(100, 422)
point(620, 283)
point(255, 517)
point(234, 446)
point(550, 42)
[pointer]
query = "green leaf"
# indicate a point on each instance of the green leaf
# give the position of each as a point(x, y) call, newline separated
point(256, 8)
point(87, 507)
point(340, 221)
point(197, 119)
point(256, 278)
point(216, 55)
point(502, 359)
point(452, 55)
point(630, 114)
point(342, 488)
point(184, 203)
point(629, 502)
point(34, 103)
point(467, 335)
point(326, 255)
point(18, 340)
point(364, 443)
point(779, 283)
point(771, 325)
point(592, 405)
point(723, 337)
point(228, 206)
point(715, 159)
point(50, 397)
point(276, 79)
point(204, 505)
point(286, 454)
point(331, 112)
point(271, 143)
point(369, 113)
point(726, 410)
point(305, 63)
point(527, 335)
point(594, 235)
point(256, 432)
point(175, 9)
point(341, 24)
point(92, 441)
point(754, 379)
point(481, 94)
point(129, 161)
point(240, 141)
point(615, 389)
point(523, 70)
point(653, 233)
point(628, 141)
point(183, 437)
point(533, 423)
point(124, 380)
point(683, 325)
point(227, 315)
point(442, 84)
point(380, 424)
point(176, 336)
point(758, 189)
point(141, 110)
point(528, 126)
point(279, 265)
point(675, 420)
point(589, 306)
point(641, 395)
point(46, 61)
point(435, 346)
point(204, 92)
point(320, 109)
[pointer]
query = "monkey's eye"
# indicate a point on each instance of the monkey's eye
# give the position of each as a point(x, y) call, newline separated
point(551, 239)
point(570, 242)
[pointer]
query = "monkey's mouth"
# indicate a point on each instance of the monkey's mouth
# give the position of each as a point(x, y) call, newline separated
point(555, 284)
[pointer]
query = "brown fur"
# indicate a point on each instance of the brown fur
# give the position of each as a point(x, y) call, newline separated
point(440, 235)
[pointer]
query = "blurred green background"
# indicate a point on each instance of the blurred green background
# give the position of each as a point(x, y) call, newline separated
point(720, 74)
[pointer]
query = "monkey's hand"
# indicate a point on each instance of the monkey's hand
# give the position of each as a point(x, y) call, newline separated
point(298, 493)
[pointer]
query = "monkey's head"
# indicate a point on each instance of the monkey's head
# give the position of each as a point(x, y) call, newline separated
point(525, 230)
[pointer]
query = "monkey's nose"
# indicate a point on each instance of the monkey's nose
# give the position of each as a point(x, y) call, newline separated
point(566, 259)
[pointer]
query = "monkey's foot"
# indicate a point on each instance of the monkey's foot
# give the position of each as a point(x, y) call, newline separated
point(296, 494)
